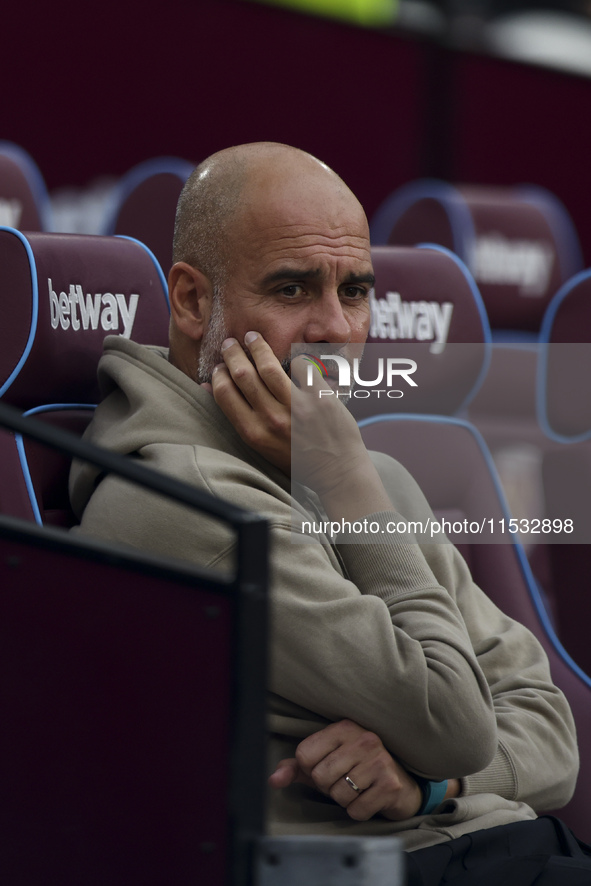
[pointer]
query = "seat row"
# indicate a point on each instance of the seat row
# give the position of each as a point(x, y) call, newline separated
point(141, 204)
point(519, 242)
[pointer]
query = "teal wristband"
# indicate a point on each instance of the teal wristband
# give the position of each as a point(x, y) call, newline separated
point(433, 794)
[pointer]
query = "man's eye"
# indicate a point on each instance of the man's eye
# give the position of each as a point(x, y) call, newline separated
point(355, 292)
point(292, 291)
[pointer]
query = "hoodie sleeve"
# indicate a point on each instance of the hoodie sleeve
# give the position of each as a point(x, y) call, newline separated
point(385, 646)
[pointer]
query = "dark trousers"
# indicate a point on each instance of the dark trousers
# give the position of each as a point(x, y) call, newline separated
point(543, 852)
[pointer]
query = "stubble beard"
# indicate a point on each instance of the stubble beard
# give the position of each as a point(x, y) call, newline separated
point(217, 331)
point(211, 347)
point(210, 353)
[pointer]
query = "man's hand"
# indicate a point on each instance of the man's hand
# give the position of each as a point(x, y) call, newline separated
point(324, 759)
point(280, 420)
point(256, 398)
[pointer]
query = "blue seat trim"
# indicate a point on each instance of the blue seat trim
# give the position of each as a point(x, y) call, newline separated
point(33, 175)
point(20, 446)
point(545, 344)
point(481, 312)
point(515, 337)
point(462, 226)
point(34, 309)
point(528, 576)
point(157, 265)
point(138, 174)
point(560, 223)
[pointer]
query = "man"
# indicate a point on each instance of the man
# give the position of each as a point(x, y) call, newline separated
point(401, 701)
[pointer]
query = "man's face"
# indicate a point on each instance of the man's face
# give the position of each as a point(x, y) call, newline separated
point(301, 272)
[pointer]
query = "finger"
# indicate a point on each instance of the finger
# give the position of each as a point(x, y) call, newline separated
point(241, 371)
point(288, 772)
point(317, 747)
point(364, 805)
point(269, 367)
point(318, 398)
point(237, 386)
point(262, 383)
point(357, 750)
point(384, 787)
point(353, 784)
point(396, 804)
point(361, 795)
point(228, 395)
point(285, 773)
point(348, 791)
point(267, 428)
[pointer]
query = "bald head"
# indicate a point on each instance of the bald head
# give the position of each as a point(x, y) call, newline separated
point(229, 185)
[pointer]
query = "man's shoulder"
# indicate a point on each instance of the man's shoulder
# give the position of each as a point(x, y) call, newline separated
point(125, 362)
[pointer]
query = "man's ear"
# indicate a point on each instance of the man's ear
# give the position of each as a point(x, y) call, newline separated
point(190, 293)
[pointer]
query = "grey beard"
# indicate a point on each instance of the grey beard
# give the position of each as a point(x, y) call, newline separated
point(210, 353)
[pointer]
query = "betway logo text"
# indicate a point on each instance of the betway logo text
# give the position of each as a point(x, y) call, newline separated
point(392, 318)
point(523, 263)
point(10, 212)
point(77, 310)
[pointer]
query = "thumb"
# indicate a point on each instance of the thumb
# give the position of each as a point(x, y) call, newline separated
point(285, 774)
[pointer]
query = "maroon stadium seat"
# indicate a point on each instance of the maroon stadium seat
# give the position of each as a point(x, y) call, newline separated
point(503, 405)
point(565, 416)
point(519, 243)
point(144, 204)
point(451, 462)
point(521, 246)
point(60, 295)
point(425, 304)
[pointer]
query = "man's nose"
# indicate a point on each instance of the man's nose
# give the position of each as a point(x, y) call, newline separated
point(328, 321)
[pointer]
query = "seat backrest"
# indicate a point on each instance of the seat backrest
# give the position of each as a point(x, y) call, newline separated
point(143, 204)
point(563, 403)
point(24, 202)
point(453, 467)
point(565, 417)
point(450, 461)
point(60, 294)
point(425, 306)
point(519, 243)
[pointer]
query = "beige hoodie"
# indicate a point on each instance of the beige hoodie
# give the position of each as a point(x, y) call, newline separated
point(395, 636)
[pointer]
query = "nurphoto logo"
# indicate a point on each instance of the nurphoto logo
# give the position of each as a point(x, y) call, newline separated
point(389, 371)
